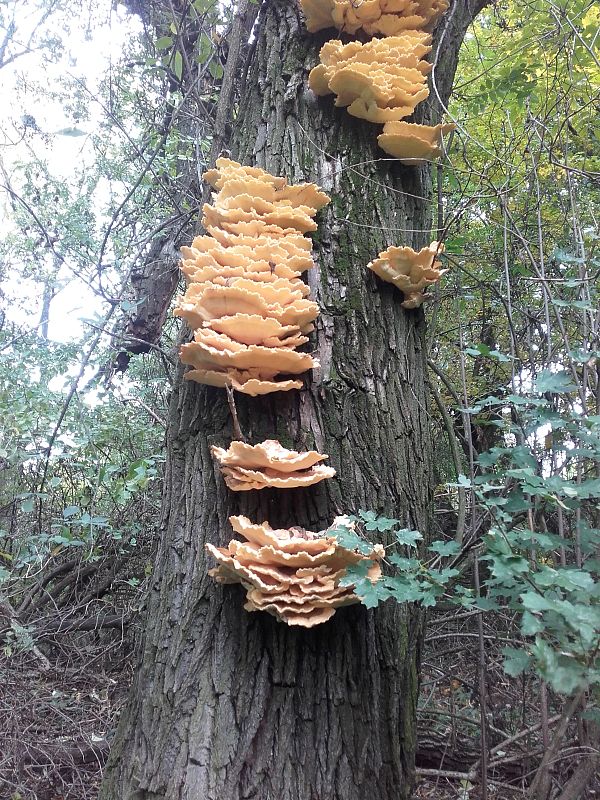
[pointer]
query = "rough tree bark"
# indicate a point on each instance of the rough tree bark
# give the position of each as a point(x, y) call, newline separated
point(225, 704)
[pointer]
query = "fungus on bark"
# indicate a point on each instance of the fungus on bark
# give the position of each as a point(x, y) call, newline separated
point(412, 143)
point(245, 299)
point(387, 17)
point(292, 574)
point(269, 464)
point(410, 271)
point(380, 81)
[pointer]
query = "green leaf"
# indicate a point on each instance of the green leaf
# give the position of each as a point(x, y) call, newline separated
point(28, 505)
point(205, 49)
point(585, 305)
point(481, 349)
point(566, 258)
point(404, 564)
point(70, 131)
point(537, 602)
point(71, 511)
point(592, 714)
point(515, 661)
point(367, 593)
point(556, 382)
point(375, 523)
point(408, 538)
point(350, 540)
point(563, 672)
point(216, 69)
point(178, 65)
point(450, 548)
point(164, 42)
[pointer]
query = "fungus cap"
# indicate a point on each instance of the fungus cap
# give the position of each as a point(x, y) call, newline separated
point(412, 143)
point(241, 381)
point(254, 329)
point(382, 80)
point(409, 271)
point(269, 454)
point(268, 361)
point(222, 216)
point(206, 302)
point(240, 479)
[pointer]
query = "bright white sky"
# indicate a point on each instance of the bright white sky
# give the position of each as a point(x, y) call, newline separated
point(91, 43)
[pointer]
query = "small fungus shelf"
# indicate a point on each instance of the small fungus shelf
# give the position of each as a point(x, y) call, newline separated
point(245, 299)
point(412, 143)
point(269, 465)
point(292, 574)
point(410, 271)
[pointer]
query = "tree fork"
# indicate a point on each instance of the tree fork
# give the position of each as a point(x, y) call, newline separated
point(229, 705)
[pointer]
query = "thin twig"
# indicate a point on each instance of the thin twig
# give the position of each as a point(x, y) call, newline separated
point(237, 431)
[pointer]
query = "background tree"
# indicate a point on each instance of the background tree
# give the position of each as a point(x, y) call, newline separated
point(226, 704)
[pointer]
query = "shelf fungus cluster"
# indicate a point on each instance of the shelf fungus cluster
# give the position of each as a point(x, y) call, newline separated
point(379, 81)
point(246, 300)
point(410, 271)
point(269, 465)
point(383, 79)
point(387, 17)
point(292, 574)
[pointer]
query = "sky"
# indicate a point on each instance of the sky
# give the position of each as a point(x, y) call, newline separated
point(39, 126)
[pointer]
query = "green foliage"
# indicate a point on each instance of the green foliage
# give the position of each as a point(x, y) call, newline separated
point(521, 493)
point(411, 580)
point(91, 488)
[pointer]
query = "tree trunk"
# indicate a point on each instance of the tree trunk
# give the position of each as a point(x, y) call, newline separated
point(229, 705)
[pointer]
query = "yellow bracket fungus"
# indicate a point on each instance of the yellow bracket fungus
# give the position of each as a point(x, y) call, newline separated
point(385, 17)
point(269, 465)
point(292, 574)
point(245, 299)
point(412, 143)
point(380, 81)
point(410, 271)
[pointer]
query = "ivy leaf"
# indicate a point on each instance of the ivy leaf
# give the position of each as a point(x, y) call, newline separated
point(375, 523)
point(367, 593)
point(404, 564)
point(350, 540)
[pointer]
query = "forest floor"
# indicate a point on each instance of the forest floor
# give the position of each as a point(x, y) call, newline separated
point(59, 708)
